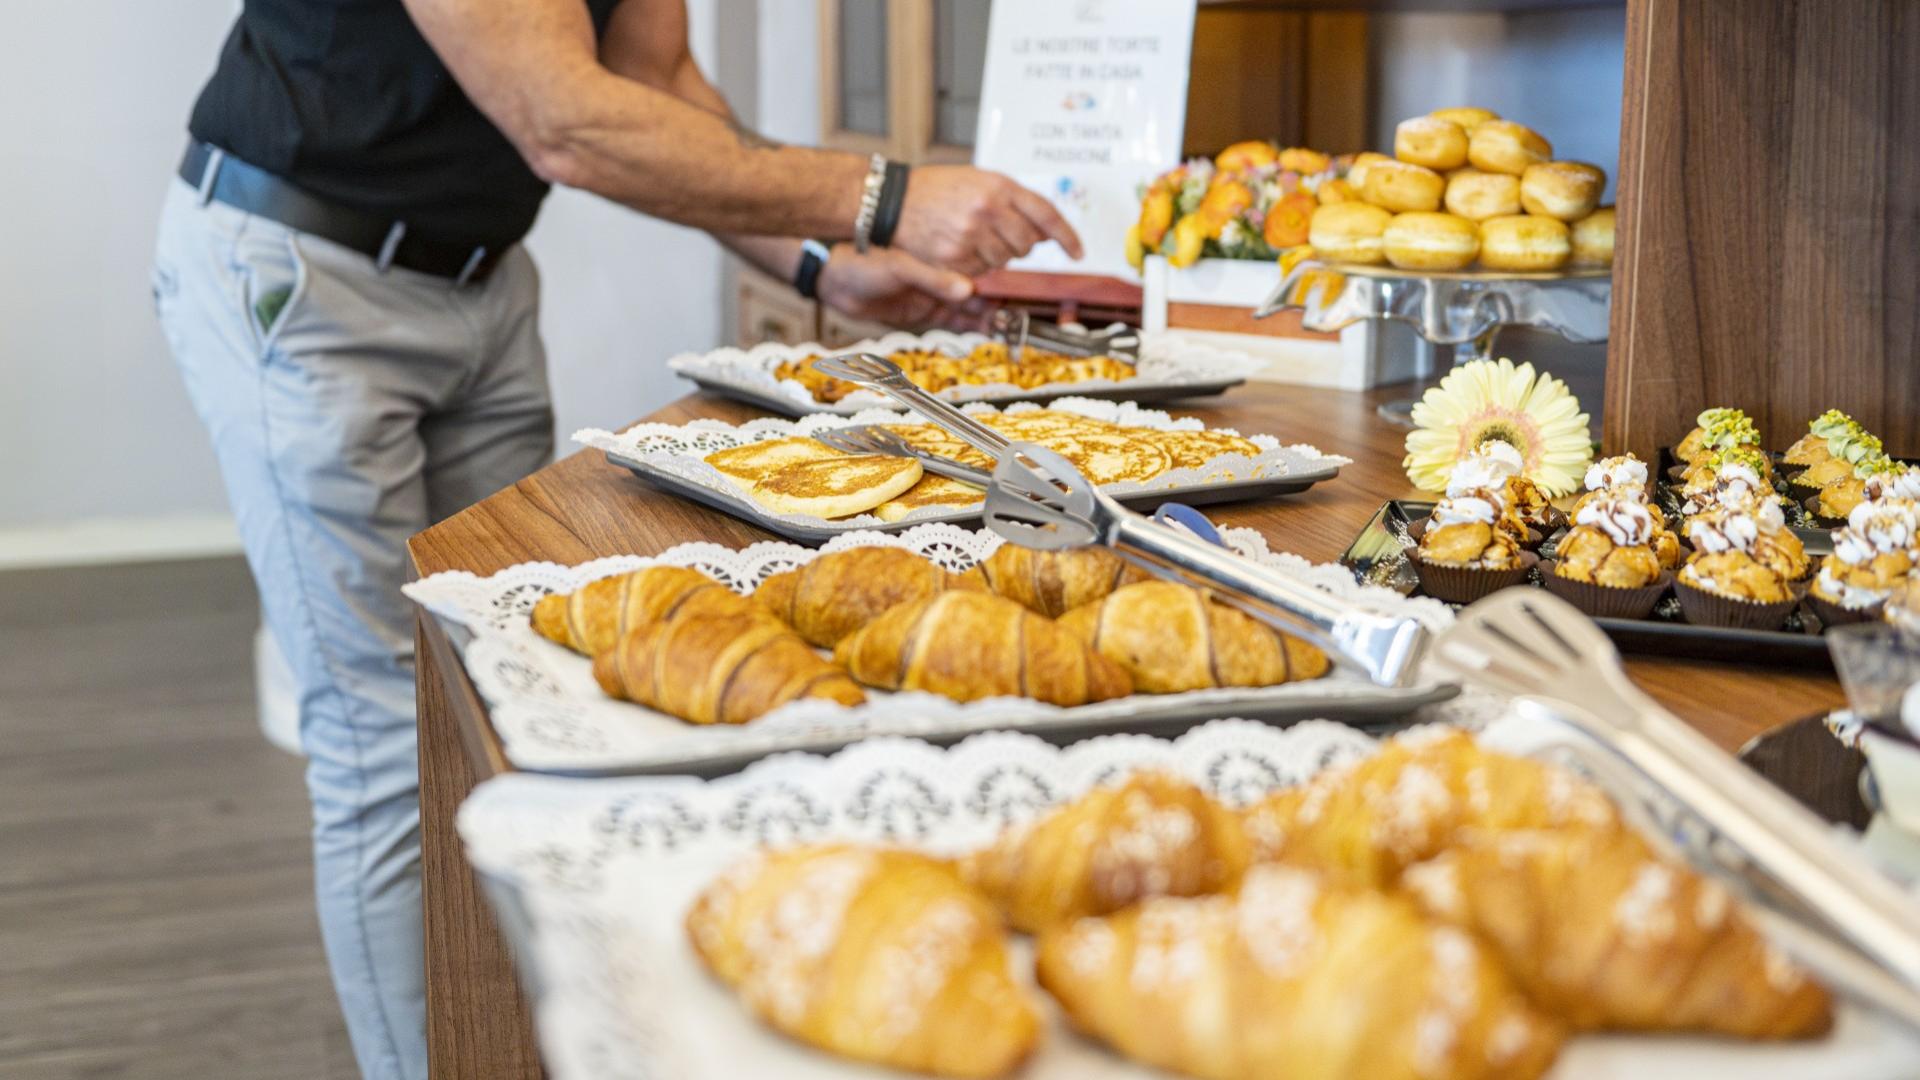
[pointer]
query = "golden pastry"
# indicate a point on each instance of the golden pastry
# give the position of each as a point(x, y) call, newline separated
point(719, 668)
point(839, 592)
point(1811, 448)
point(1172, 638)
point(1401, 187)
point(1055, 582)
point(1477, 195)
point(1611, 545)
point(799, 475)
point(873, 954)
point(1593, 239)
point(932, 490)
point(1465, 531)
point(1717, 429)
point(1568, 190)
point(1503, 146)
point(1434, 143)
point(1524, 242)
point(592, 619)
point(1362, 163)
point(1350, 232)
point(1467, 116)
point(1421, 241)
point(1723, 562)
point(1871, 556)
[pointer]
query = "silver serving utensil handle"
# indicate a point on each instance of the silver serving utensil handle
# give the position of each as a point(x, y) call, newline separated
point(1531, 644)
point(877, 440)
point(878, 373)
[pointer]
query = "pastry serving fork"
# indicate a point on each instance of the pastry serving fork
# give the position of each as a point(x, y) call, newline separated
point(878, 440)
point(1038, 499)
point(1829, 905)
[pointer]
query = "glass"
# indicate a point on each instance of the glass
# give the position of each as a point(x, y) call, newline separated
point(959, 61)
point(863, 66)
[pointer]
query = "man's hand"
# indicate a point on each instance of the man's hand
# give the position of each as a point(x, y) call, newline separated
point(895, 288)
point(970, 220)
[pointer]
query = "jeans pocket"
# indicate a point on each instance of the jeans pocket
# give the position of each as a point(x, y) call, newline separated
point(275, 276)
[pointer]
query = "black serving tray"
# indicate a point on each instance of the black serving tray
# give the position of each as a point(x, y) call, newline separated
point(1378, 556)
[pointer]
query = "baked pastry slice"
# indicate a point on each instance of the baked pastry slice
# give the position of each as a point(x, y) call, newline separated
point(841, 591)
point(1602, 933)
point(1154, 835)
point(973, 645)
point(1055, 582)
point(591, 619)
point(872, 954)
point(1287, 978)
point(1171, 637)
point(719, 668)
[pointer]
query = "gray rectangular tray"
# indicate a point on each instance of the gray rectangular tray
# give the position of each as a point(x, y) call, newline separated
point(1153, 393)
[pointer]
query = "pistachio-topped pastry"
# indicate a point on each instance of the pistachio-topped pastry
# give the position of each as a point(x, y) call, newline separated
point(1845, 451)
point(1465, 530)
point(1717, 429)
point(1811, 449)
point(1873, 554)
point(1838, 498)
point(1728, 476)
point(1610, 544)
point(1723, 562)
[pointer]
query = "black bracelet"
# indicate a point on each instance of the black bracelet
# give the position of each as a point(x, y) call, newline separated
point(813, 259)
point(893, 196)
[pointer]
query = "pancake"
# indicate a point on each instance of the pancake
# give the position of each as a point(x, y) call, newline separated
point(750, 462)
point(930, 491)
point(1112, 459)
point(1190, 449)
point(801, 476)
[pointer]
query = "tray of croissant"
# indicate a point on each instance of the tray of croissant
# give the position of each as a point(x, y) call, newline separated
point(775, 474)
point(963, 368)
point(705, 658)
point(1242, 901)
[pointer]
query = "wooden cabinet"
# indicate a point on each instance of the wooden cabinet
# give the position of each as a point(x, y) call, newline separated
point(767, 309)
point(902, 77)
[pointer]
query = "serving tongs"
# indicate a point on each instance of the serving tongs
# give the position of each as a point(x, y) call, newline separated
point(1019, 329)
point(873, 439)
point(1825, 902)
point(1038, 499)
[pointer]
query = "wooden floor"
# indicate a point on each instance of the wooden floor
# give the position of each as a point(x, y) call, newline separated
point(156, 910)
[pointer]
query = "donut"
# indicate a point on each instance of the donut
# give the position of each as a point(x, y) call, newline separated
point(1477, 195)
point(1357, 172)
point(1437, 144)
point(1467, 116)
point(1524, 242)
point(1593, 239)
point(1568, 190)
point(1503, 146)
point(1400, 186)
point(1349, 232)
point(1421, 241)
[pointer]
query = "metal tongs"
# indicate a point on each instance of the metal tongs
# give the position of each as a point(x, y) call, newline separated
point(1019, 329)
point(1038, 499)
point(1823, 901)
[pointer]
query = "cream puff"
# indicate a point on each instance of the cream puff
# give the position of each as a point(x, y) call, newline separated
point(1467, 116)
point(1524, 242)
point(1477, 195)
point(1503, 146)
point(1402, 187)
point(1362, 163)
point(1593, 239)
point(1568, 190)
point(1436, 144)
point(1349, 232)
point(1426, 241)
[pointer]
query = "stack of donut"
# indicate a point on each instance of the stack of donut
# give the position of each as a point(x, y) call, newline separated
point(1462, 186)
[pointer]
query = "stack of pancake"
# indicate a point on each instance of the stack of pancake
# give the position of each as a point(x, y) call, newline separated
point(988, 364)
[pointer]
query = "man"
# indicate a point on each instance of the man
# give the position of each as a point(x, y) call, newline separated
point(340, 278)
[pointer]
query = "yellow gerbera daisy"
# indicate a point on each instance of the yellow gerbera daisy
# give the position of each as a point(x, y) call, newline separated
point(1493, 399)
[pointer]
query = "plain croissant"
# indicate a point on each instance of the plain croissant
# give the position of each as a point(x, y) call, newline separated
point(972, 645)
point(842, 591)
point(1171, 638)
point(1154, 835)
point(1411, 800)
point(877, 955)
point(590, 620)
point(1603, 933)
point(1055, 582)
point(710, 668)
point(1288, 978)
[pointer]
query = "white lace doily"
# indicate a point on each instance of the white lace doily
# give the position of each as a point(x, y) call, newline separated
point(552, 717)
point(678, 451)
point(594, 880)
point(1165, 361)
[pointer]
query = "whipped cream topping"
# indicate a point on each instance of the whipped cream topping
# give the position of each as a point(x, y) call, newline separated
point(1724, 530)
point(1878, 528)
point(1895, 484)
point(1623, 471)
point(1626, 522)
point(1851, 597)
point(1465, 510)
point(1487, 467)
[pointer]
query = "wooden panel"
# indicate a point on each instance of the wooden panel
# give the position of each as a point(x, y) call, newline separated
point(1769, 251)
point(1247, 79)
point(1337, 115)
point(1239, 320)
point(769, 310)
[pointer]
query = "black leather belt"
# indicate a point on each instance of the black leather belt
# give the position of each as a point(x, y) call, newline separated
point(219, 175)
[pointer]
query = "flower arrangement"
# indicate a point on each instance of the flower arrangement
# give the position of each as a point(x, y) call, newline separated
point(1494, 400)
point(1252, 201)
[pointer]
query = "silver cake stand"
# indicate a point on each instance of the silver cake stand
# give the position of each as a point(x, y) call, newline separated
point(1463, 310)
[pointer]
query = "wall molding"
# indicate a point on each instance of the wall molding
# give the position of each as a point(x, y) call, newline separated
point(94, 541)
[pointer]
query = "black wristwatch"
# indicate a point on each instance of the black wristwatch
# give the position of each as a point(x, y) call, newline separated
point(813, 259)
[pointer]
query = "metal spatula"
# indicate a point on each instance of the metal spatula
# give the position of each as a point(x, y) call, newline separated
point(1561, 667)
point(1038, 499)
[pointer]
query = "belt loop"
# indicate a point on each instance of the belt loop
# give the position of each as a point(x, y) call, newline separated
point(211, 173)
point(473, 263)
point(389, 246)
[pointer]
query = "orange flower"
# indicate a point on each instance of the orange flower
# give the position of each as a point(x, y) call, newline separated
point(1302, 160)
point(1189, 239)
point(1334, 191)
point(1156, 214)
point(1224, 202)
point(1242, 155)
point(1287, 220)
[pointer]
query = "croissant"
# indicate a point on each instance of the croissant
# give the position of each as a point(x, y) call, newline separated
point(591, 620)
point(877, 955)
point(1289, 978)
point(1602, 933)
point(1407, 803)
point(840, 592)
point(709, 668)
point(1154, 835)
point(1055, 582)
point(972, 645)
point(1171, 637)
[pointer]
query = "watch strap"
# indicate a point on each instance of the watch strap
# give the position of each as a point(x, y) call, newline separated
point(813, 259)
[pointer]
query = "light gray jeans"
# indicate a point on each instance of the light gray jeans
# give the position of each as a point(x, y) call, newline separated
point(349, 409)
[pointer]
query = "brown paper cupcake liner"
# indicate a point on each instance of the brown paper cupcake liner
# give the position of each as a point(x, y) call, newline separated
point(1703, 608)
point(1605, 601)
point(1465, 584)
point(1831, 614)
point(1530, 542)
point(1812, 505)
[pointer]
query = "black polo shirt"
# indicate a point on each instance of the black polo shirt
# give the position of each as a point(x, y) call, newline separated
point(345, 99)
